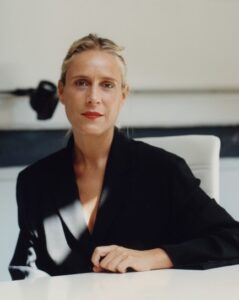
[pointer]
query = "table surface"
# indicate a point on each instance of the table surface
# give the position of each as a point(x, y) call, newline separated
point(220, 283)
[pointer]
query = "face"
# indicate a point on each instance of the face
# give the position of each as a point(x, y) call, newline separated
point(93, 94)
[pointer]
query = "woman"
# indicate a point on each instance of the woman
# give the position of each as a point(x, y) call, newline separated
point(108, 203)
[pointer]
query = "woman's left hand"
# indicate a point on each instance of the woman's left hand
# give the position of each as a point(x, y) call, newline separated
point(119, 259)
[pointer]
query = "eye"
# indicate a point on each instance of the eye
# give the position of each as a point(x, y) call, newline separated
point(81, 83)
point(108, 84)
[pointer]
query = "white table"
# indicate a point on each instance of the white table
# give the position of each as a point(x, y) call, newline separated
point(221, 283)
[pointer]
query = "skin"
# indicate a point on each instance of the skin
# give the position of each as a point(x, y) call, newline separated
point(94, 83)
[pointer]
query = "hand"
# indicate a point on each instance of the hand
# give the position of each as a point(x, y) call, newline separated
point(118, 259)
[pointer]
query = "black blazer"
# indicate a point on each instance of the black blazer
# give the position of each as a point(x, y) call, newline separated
point(149, 199)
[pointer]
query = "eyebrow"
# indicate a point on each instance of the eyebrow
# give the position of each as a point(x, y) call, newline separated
point(87, 77)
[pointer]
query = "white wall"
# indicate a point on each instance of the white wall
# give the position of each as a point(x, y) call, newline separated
point(229, 180)
point(169, 44)
point(8, 218)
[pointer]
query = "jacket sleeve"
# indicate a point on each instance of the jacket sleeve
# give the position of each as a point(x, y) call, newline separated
point(23, 264)
point(205, 235)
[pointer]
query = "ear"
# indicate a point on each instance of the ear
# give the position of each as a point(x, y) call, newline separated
point(125, 93)
point(60, 91)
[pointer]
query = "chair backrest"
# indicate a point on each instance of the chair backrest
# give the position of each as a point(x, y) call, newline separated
point(201, 152)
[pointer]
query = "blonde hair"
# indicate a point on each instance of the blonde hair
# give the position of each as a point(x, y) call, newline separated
point(93, 42)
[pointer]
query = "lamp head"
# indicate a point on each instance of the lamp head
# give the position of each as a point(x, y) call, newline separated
point(44, 99)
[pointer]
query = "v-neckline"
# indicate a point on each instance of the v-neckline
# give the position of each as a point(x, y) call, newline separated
point(112, 194)
point(100, 201)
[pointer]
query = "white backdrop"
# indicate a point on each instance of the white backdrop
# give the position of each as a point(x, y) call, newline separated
point(169, 43)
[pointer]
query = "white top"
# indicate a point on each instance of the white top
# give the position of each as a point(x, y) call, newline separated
point(218, 284)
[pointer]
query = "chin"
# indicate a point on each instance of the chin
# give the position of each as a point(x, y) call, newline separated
point(93, 130)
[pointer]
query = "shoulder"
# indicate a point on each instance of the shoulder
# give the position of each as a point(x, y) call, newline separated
point(43, 167)
point(35, 186)
point(144, 151)
point(159, 163)
point(149, 154)
point(146, 156)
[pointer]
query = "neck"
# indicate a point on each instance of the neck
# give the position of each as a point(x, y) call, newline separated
point(91, 150)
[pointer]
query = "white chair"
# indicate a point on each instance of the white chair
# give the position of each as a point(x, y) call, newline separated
point(201, 152)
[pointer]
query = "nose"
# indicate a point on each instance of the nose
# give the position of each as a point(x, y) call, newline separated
point(93, 96)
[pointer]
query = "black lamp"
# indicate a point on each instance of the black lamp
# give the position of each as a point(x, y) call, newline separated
point(43, 99)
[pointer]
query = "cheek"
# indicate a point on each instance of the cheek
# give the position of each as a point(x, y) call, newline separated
point(72, 106)
point(114, 109)
point(73, 99)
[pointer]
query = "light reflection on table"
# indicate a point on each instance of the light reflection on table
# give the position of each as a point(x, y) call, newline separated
point(221, 283)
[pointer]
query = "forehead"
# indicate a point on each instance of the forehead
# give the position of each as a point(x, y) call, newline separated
point(95, 62)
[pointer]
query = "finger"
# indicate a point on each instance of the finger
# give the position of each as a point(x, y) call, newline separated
point(125, 265)
point(98, 269)
point(112, 265)
point(100, 252)
point(111, 255)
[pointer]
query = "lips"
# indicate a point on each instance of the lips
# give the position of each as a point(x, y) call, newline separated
point(92, 114)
